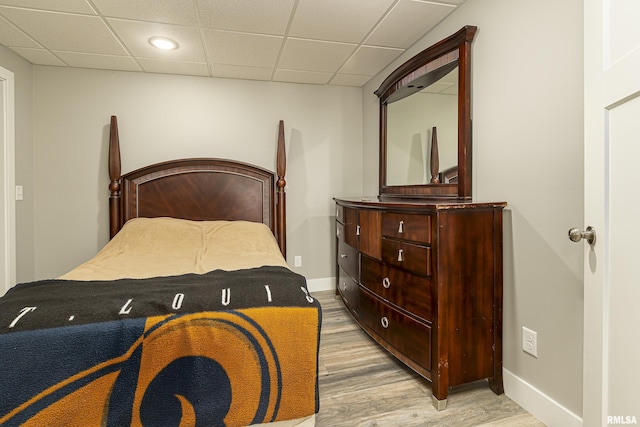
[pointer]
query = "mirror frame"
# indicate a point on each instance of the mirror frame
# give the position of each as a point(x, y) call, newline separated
point(418, 68)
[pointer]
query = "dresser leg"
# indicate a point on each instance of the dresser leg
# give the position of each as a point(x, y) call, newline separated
point(439, 404)
point(496, 384)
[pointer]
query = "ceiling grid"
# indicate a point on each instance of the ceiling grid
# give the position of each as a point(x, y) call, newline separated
point(333, 42)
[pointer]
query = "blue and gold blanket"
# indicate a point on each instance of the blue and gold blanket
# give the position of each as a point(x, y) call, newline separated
point(223, 348)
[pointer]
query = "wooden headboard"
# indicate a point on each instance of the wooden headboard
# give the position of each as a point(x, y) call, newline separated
point(201, 189)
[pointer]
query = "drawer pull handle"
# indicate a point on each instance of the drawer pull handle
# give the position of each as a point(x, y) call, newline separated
point(385, 322)
point(400, 255)
point(338, 213)
point(386, 282)
point(357, 230)
point(343, 255)
point(401, 227)
point(338, 232)
point(344, 286)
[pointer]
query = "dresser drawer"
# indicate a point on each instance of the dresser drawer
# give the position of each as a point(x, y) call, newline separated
point(407, 291)
point(405, 334)
point(407, 226)
point(339, 231)
point(412, 257)
point(351, 227)
point(348, 259)
point(348, 289)
point(340, 213)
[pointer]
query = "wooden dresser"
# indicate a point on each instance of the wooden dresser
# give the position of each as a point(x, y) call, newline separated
point(424, 280)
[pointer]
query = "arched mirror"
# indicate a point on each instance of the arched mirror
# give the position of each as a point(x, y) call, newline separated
point(425, 123)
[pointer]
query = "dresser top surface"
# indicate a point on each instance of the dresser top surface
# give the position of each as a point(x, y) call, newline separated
point(439, 204)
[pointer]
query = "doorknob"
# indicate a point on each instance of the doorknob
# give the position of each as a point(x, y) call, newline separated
point(575, 235)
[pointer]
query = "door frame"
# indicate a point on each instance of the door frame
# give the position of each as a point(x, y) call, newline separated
point(594, 373)
point(7, 143)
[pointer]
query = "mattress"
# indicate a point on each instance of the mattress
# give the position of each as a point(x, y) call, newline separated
point(150, 247)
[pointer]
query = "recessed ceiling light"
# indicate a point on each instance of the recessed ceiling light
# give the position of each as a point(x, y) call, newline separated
point(163, 43)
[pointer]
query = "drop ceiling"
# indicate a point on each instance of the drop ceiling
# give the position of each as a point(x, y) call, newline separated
point(334, 42)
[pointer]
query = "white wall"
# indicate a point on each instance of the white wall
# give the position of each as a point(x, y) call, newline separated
point(527, 150)
point(162, 117)
point(23, 75)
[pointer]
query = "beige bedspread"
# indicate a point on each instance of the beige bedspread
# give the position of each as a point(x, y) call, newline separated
point(151, 247)
point(267, 353)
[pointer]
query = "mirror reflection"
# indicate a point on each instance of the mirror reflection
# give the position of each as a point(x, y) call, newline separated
point(422, 131)
point(425, 123)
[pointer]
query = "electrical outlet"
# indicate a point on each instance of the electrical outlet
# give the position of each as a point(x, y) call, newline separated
point(530, 341)
point(297, 261)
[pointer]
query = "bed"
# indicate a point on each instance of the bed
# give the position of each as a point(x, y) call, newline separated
point(189, 316)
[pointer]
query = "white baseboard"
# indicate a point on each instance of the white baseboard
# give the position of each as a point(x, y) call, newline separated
point(326, 284)
point(538, 404)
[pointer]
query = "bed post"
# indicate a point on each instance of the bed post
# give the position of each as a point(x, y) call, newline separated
point(115, 217)
point(281, 206)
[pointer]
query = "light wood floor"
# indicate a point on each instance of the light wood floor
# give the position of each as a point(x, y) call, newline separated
point(362, 385)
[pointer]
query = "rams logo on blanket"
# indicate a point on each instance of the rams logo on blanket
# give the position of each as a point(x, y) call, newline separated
point(236, 357)
point(233, 367)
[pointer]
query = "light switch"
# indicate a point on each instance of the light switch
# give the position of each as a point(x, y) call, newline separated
point(19, 193)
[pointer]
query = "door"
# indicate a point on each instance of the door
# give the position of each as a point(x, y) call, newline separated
point(612, 205)
point(7, 183)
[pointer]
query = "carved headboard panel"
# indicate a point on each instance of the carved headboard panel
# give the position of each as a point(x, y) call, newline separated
point(202, 189)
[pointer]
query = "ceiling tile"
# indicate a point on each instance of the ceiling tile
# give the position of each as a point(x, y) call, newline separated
point(415, 18)
point(310, 77)
point(265, 17)
point(136, 34)
point(180, 12)
point(337, 20)
point(314, 55)
point(103, 62)
point(173, 67)
point(12, 36)
point(369, 60)
point(447, 84)
point(74, 6)
point(75, 33)
point(241, 72)
point(451, 90)
point(450, 2)
point(440, 87)
point(256, 50)
point(349, 80)
point(336, 42)
point(38, 56)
